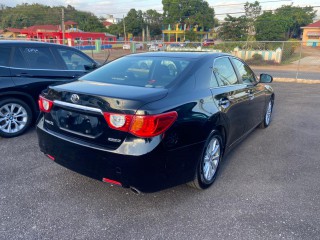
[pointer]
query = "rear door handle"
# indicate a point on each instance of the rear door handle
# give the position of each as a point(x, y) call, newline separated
point(250, 94)
point(224, 103)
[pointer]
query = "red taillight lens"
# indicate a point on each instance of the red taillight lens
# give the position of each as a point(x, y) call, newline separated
point(152, 125)
point(141, 126)
point(45, 105)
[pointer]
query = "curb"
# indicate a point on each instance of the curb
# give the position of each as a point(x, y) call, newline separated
point(291, 80)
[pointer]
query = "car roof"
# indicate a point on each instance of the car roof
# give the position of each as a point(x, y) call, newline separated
point(192, 55)
point(27, 43)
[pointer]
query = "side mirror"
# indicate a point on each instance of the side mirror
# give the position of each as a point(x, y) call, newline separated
point(265, 78)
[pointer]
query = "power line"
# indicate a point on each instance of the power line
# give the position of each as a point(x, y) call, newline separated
point(235, 4)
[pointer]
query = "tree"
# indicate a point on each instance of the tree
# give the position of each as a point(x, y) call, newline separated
point(134, 22)
point(284, 23)
point(295, 18)
point(154, 21)
point(191, 12)
point(26, 15)
point(252, 11)
point(234, 28)
point(270, 27)
point(117, 29)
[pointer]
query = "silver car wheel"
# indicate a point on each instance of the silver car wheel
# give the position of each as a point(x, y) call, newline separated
point(268, 113)
point(211, 159)
point(13, 118)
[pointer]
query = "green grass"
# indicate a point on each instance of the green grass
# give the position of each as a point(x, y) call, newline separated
point(292, 58)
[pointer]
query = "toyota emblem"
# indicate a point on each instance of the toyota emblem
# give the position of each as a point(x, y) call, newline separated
point(75, 98)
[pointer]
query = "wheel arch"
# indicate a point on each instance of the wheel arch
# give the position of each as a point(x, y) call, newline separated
point(218, 123)
point(272, 96)
point(23, 97)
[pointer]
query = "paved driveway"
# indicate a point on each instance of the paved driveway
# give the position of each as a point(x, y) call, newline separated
point(268, 188)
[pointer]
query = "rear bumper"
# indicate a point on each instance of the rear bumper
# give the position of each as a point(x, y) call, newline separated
point(147, 172)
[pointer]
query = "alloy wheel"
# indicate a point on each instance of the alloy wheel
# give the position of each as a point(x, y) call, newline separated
point(268, 113)
point(211, 160)
point(13, 118)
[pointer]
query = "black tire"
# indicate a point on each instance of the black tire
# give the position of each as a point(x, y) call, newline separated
point(200, 180)
point(267, 115)
point(15, 117)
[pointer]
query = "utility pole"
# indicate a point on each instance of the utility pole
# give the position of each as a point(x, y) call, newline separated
point(124, 29)
point(62, 26)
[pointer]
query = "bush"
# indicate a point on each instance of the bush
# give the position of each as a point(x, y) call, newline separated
point(257, 60)
point(257, 57)
point(289, 48)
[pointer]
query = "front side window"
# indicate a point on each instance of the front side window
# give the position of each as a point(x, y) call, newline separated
point(151, 72)
point(4, 55)
point(224, 72)
point(36, 57)
point(74, 60)
point(246, 73)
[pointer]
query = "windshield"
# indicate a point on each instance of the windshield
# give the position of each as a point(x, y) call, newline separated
point(152, 72)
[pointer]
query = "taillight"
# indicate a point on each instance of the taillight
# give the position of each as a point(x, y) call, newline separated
point(120, 122)
point(152, 125)
point(45, 105)
point(141, 126)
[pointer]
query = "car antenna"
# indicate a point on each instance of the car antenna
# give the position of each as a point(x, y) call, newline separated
point(107, 58)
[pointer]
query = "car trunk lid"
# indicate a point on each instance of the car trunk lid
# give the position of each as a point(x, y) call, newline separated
point(78, 109)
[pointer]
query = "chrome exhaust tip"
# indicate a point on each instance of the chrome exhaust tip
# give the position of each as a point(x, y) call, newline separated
point(134, 190)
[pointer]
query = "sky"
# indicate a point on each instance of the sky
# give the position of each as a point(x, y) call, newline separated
point(118, 8)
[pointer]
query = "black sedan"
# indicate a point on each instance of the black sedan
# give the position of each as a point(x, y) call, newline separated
point(154, 120)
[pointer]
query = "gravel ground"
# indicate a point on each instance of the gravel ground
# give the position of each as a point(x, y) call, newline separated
point(267, 188)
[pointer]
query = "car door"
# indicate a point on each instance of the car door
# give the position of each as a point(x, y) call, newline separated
point(5, 78)
point(231, 98)
point(254, 91)
point(34, 68)
point(76, 62)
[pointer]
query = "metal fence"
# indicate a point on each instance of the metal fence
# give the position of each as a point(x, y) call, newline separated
point(288, 59)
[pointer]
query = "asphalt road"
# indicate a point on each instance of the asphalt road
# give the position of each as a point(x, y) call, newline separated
point(268, 188)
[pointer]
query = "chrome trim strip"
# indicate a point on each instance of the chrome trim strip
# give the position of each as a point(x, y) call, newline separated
point(65, 104)
point(77, 133)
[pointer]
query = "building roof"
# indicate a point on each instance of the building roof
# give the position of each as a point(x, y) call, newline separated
point(313, 25)
point(70, 23)
point(107, 24)
point(42, 28)
point(14, 30)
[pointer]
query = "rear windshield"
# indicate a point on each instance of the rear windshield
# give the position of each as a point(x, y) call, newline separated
point(152, 72)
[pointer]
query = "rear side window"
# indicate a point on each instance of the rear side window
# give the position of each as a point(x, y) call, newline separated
point(74, 60)
point(18, 60)
point(4, 55)
point(151, 72)
point(37, 57)
point(224, 72)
